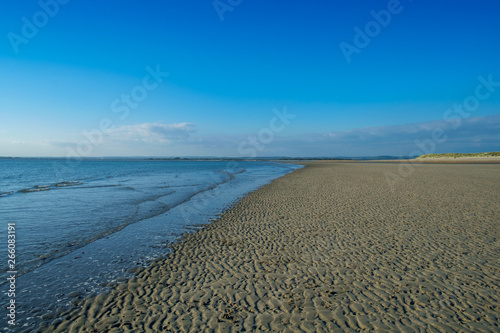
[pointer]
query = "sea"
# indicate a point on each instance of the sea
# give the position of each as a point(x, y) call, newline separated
point(73, 228)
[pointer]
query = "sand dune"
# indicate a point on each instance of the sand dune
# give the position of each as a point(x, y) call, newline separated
point(328, 248)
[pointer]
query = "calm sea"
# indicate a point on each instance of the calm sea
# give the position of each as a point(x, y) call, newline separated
point(81, 225)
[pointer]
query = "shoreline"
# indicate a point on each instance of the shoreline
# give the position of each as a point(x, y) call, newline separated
point(325, 247)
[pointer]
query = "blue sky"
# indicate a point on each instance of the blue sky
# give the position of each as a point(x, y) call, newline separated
point(67, 68)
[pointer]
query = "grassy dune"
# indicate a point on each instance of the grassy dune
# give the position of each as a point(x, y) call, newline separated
point(458, 155)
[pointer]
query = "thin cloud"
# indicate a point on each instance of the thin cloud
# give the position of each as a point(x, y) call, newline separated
point(153, 132)
point(479, 127)
point(471, 134)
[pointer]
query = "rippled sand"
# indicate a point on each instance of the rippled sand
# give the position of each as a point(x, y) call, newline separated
point(327, 248)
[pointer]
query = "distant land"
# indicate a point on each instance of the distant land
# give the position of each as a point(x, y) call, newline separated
point(459, 155)
point(215, 158)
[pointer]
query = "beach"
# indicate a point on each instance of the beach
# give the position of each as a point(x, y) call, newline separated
point(331, 247)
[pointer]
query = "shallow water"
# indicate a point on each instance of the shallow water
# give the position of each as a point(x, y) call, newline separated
point(86, 225)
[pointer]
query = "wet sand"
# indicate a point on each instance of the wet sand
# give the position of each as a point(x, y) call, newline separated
point(327, 248)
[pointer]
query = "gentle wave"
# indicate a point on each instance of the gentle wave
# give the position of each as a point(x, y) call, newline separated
point(65, 185)
point(39, 188)
point(99, 186)
point(68, 183)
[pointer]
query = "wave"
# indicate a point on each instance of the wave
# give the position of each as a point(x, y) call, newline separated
point(68, 183)
point(111, 185)
point(61, 185)
point(39, 188)
point(36, 188)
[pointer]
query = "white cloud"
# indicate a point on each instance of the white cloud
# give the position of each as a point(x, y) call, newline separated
point(153, 132)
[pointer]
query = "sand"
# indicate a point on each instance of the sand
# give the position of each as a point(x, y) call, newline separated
point(327, 248)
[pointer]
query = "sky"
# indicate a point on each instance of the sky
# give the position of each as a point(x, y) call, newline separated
point(247, 78)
